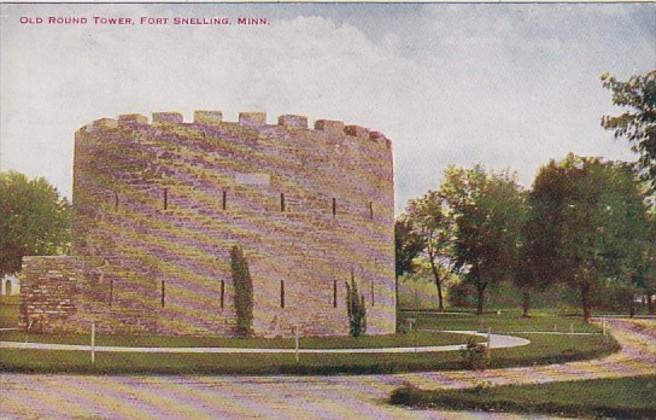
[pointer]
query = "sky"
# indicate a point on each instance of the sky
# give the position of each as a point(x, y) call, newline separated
point(508, 86)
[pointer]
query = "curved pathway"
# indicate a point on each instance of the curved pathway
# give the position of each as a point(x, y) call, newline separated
point(637, 357)
point(328, 397)
point(497, 341)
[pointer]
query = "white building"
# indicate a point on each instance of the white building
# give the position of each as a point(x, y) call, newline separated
point(9, 285)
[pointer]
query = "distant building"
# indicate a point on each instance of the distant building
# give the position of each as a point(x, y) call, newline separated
point(10, 285)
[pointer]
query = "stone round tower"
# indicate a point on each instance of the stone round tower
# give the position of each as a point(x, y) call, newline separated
point(158, 206)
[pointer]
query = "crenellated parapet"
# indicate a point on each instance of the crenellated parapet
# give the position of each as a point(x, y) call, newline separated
point(253, 120)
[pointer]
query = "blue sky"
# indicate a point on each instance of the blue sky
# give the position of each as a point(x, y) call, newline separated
point(503, 85)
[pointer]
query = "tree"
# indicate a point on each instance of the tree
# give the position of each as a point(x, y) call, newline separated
point(243, 284)
point(488, 212)
point(408, 245)
point(592, 222)
point(34, 220)
point(646, 276)
point(638, 124)
point(533, 271)
point(430, 221)
point(356, 309)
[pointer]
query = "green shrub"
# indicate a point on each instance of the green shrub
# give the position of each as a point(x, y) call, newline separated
point(356, 309)
point(475, 355)
point(243, 284)
point(407, 394)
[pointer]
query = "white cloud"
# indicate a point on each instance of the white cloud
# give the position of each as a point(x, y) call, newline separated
point(506, 86)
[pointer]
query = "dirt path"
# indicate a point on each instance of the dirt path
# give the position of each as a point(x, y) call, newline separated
point(637, 357)
point(328, 397)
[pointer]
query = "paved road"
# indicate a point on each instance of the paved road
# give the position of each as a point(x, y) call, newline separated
point(328, 397)
point(497, 341)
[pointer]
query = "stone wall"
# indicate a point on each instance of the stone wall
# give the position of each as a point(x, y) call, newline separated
point(159, 206)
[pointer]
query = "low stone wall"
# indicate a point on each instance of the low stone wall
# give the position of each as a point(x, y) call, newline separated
point(49, 289)
point(66, 294)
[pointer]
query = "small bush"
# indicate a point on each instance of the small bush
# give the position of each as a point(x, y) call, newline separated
point(475, 355)
point(356, 309)
point(243, 284)
point(406, 394)
point(481, 387)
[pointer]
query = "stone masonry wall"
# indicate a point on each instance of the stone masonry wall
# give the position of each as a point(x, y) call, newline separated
point(65, 294)
point(157, 208)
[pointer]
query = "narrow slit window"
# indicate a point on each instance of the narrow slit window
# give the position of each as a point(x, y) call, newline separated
point(282, 202)
point(334, 293)
point(371, 210)
point(282, 293)
point(372, 293)
point(222, 293)
point(166, 198)
point(334, 207)
point(115, 201)
point(163, 293)
point(224, 200)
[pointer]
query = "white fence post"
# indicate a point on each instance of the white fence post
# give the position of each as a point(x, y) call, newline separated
point(297, 343)
point(489, 337)
point(29, 327)
point(93, 343)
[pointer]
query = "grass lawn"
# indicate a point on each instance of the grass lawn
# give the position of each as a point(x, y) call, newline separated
point(8, 311)
point(509, 320)
point(542, 350)
point(619, 398)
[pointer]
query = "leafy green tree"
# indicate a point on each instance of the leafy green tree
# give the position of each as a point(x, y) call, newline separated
point(533, 272)
point(488, 212)
point(646, 276)
point(592, 220)
point(34, 220)
point(356, 309)
point(430, 220)
point(243, 284)
point(638, 123)
point(408, 245)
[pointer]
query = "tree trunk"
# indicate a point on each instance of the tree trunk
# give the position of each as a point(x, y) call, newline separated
point(651, 305)
point(526, 303)
point(631, 305)
point(585, 298)
point(481, 297)
point(440, 298)
point(438, 283)
point(396, 293)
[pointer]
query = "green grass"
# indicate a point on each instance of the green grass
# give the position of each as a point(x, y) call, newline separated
point(620, 398)
point(9, 300)
point(397, 340)
point(507, 321)
point(544, 349)
point(208, 363)
point(8, 311)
